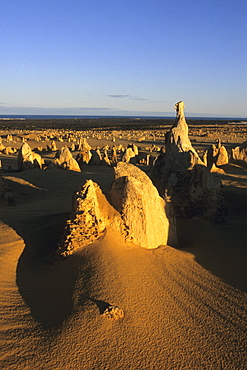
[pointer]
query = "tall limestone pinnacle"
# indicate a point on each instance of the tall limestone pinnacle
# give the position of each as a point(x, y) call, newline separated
point(179, 133)
point(180, 175)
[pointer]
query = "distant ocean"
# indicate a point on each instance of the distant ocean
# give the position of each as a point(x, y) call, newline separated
point(43, 117)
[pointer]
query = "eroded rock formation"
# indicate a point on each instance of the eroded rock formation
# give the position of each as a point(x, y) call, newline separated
point(142, 209)
point(128, 155)
point(181, 175)
point(135, 210)
point(113, 313)
point(90, 217)
point(178, 137)
point(27, 159)
point(217, 155)
point(53, 146)
point(239, 154)
point(65, 159)
point(83, 144)
point(84, 157)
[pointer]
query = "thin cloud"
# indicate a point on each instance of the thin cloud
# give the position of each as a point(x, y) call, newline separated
point(119, 96)
point(145, 99)
point(126, 96)
point(140, 99)
point(130, 97)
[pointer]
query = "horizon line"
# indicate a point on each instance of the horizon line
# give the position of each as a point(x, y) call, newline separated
point(153, 115)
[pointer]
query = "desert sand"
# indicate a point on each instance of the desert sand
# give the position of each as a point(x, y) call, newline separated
point(185, 307)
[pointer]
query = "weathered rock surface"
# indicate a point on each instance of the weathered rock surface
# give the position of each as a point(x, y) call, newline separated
point(239, 154)
point(180, 175)
point(114, 154)
point(212, 154)
point(65, 159)
point(53, 146)
point(178, 137)
point(216, 169)
point(135, 210)
point(197, 193)
point(113, 312)
point(217, 155)
point(105, 160)
point(179, 153)
point(128, 155)
point(83, 145)
point(84, 157)
point(27, 159)
point(222, 157)
point(134, 148)
point(144, 158)
point(142, 209)
point(2, 147)
point(90, 217)
point(9, 150)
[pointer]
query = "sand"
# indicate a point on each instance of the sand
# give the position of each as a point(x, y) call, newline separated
point(184, 308)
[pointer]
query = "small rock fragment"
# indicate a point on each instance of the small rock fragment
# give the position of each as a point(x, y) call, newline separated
point(113, 312)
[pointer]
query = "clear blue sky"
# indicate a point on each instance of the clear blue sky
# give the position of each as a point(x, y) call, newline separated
point(123, 56)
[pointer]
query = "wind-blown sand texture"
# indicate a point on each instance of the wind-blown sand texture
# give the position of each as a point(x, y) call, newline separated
point(184, 307)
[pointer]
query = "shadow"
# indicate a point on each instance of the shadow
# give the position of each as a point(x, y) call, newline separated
point(233, 176)
point(44, 287)
point(25, 187)
point(47, 289)
point(172, 228)
point(102, 306)
point(221, 249)
point(9, 162)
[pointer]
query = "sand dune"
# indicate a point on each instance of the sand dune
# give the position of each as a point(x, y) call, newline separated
point(180, 310)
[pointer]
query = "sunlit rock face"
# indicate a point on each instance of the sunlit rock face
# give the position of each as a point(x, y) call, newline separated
point(27, 159)
point(141, 208)
point(65, 159)
point(178, 137)
point(222, 157)
point(84, 157)
point(217, 155)
point(53, 146)
point(239, 154)
point(135, 210)
point(179, 153)
point(83, 145)
point(181, 176)
point(128, 155)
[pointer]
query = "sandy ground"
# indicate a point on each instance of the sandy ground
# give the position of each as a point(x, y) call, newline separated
point(184, 308)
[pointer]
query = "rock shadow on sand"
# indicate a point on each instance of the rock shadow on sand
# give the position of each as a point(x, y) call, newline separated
point(102, 305)
point(46, 288)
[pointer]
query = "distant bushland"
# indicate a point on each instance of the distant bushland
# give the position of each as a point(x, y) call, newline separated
point(83, 124)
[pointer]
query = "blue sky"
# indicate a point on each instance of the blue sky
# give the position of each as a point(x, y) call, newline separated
point(125, 57)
